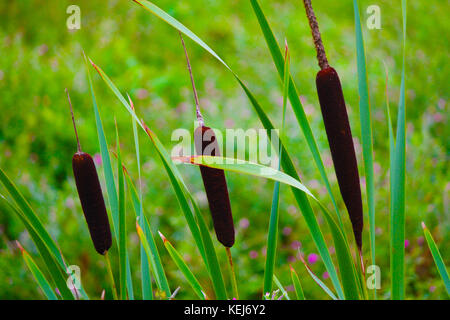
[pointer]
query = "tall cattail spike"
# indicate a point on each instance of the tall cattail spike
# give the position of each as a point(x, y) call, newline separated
point(73, 121)
point(197, 104)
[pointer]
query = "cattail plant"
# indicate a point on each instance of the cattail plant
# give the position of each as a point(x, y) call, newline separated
point(214, 180)
point(338, 130)
point(90, 194)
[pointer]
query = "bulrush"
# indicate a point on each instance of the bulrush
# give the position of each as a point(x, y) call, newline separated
point(338, 131)
point(91, 196)
point(213, 179)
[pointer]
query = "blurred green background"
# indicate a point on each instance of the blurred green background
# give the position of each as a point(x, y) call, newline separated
point(39, 57)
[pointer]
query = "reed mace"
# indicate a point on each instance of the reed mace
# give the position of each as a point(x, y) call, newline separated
point(337, 126)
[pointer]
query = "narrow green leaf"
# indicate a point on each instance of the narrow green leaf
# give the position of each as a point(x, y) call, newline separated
point(318, 281)
point(437, 258)
point(280, 286)
point(122, 223)
point(155, 260)
point(145, 271)
point(43, 241)
point(38, 275)
point(272, 233)
point(297, 286)
point(178, 259)
point(397, 175)
point(366, 127)
point(33, 219)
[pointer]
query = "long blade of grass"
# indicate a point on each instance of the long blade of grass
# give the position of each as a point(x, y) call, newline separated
point(122, 222)
point(38, 275)
point(297, 285)
point(272, 233)
point(280, 286)
point(183, 267)
point(398, 173)
point(366, 127)
point(55, 270)
point(42, 239)
point(155, 260)
point(317, 280)
point(145, 271)
point(31, 216)
point(296, 104)
point(437, 258)
point(287, 163)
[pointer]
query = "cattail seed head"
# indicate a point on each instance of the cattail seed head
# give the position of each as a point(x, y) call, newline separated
point(92, 202)
point(215, 186)
point(339, 135)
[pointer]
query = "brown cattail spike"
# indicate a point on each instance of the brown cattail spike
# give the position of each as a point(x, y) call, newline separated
point(91, 197)
point(339, 135)
point(338, 131)
point(215, 186)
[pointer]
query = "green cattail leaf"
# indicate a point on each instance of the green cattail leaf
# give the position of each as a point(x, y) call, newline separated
point(318, 281)
point(367, 141)
point(46, 246)
point(297, 285)
point(145, 271)
point(437, 258)
point(287, 163)
point(190, 277)
point(397, 176)
point(280, 286)
point(39, 276)
point(366, 127)
point(272, 233)
point(122, 223)
point(155, 261)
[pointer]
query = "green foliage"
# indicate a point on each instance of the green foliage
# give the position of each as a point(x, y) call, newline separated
point(40, 57)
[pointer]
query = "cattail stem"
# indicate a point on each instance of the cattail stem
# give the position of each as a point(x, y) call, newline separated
point(197, 104)
point(233, 274)
point(73, 121)
point(111, 277)
point(321, 56)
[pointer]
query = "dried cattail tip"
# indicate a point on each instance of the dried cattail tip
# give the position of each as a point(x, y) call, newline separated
point(339, 135)
point(215, 187)
point(92, 201)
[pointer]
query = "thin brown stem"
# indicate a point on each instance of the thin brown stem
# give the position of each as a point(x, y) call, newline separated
point(197, 104)
point(73, 121)
point(321, 56)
